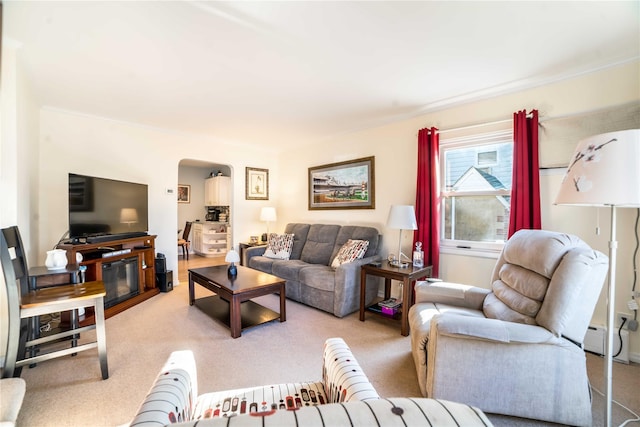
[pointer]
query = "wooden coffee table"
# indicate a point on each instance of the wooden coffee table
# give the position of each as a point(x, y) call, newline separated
point(231, 304)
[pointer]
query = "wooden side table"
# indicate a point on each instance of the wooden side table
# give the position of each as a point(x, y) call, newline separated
point(406, 275)
point(244, 246)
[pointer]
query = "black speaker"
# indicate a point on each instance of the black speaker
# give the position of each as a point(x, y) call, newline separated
point(164, 281)
point(161, 264)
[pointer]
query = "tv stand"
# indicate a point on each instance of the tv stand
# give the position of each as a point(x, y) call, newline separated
point(143, 247)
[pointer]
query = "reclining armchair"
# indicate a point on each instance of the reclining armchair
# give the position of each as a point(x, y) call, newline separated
point(516, 348)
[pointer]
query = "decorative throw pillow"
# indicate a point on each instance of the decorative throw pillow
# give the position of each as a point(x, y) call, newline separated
point(279, 246)
point(350, 251)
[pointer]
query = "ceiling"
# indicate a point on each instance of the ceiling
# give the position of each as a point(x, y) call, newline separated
point(280, 74)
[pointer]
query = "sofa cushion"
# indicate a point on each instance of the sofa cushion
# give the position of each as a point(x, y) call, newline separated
point(321, 239)
point(318, 276)
point(259, 400)
point(350, 251)
point(393, 411)
point(279, 246)
point(300, 232)
point(288, 269)
point(262, 263)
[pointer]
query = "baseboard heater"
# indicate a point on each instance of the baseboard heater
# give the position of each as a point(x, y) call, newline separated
point(595, 341)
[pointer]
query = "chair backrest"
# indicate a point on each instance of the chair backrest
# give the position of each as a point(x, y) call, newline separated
point(548, 279)
point(187, 230)
point(14, 269)
point(16, 257)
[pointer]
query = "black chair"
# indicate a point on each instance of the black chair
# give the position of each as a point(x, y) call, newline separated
point(25, 303)
point(185, 243)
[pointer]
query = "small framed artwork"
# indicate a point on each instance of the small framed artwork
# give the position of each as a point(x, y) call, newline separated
point(184, 193)
point(257, 184)
point(344, 185)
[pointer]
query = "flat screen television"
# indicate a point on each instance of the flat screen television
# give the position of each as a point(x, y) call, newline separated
point(100, 207)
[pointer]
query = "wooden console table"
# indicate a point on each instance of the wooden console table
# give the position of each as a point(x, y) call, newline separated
point(141, 247)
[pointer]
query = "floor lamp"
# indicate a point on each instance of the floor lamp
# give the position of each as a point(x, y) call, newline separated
point(605, 171)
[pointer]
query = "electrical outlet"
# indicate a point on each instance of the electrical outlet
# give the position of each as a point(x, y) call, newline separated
point(619, 317)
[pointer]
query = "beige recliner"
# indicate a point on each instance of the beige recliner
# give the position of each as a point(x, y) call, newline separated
point(514, 349)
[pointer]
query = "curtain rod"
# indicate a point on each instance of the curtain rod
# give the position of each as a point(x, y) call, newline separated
point(475, 126)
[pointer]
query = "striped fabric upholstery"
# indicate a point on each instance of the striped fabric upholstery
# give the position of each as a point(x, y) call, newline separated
point(343, 381)
point(172, 397)
point(392, 412)
point(350, 400)
point(343, 377)
point(259, 400)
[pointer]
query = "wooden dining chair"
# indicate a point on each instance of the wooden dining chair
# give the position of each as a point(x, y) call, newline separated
point(25, 303)
point(184, 242)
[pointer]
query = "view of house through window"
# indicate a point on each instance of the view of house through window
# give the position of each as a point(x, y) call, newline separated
point(476, 189)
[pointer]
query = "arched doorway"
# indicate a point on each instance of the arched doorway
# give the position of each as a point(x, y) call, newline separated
point(191, 206)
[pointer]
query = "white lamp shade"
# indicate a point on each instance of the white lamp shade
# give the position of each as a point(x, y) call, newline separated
point(402, 217)
point(604, 171)
point(268, 214)
point(232, 256)
point(128, 215)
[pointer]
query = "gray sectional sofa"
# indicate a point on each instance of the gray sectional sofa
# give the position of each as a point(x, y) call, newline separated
point(310, 278)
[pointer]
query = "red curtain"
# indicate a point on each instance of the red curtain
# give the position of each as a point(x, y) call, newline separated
point(525, 185)
point(428, 197)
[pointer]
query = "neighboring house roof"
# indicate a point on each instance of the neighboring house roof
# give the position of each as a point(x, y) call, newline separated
point(475, 179)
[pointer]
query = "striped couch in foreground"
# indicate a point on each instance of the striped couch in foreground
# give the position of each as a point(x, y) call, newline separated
point(343, 397)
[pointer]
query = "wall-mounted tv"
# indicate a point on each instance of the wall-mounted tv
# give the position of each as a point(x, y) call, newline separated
point(100, 207)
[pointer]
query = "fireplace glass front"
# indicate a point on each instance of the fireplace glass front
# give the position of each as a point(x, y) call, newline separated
point(120, 280)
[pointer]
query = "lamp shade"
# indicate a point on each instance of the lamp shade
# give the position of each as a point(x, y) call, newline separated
point(268, 214)
point(402, 217)
point(604, 171)
point(232, 256)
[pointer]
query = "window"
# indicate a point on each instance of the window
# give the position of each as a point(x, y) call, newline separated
point(476, 191)
point(487, 158)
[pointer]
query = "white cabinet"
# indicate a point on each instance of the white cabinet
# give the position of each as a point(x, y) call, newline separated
point(211, 238)
point(217, 191)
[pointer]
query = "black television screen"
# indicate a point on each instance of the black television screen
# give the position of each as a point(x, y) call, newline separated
point(100, 206)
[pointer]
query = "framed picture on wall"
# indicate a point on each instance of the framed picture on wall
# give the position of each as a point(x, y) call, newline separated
point(184, 193)
point(257, 184)
point(344, 185)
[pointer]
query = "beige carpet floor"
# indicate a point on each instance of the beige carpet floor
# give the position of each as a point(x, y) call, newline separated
point(69, 391)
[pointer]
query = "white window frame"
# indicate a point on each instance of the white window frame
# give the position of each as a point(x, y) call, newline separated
point(466, 247)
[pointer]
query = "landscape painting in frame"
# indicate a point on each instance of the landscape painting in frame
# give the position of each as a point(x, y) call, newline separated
point(344, 185)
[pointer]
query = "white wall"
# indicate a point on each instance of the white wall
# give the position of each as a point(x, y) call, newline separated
point(394, 147)
point(105, 148)
point(19, 127)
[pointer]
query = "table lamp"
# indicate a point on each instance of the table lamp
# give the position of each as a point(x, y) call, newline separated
point(232, 257)
point(605, 171)
point(267, 214)
point(401, 217)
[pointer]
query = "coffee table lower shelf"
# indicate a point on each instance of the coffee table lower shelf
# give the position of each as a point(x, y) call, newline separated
point(251, 313)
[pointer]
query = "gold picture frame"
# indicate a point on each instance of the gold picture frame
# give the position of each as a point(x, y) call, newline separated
point(256, 184)
point(343, 185)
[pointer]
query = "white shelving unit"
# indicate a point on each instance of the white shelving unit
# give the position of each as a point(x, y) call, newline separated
point(211, 239)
